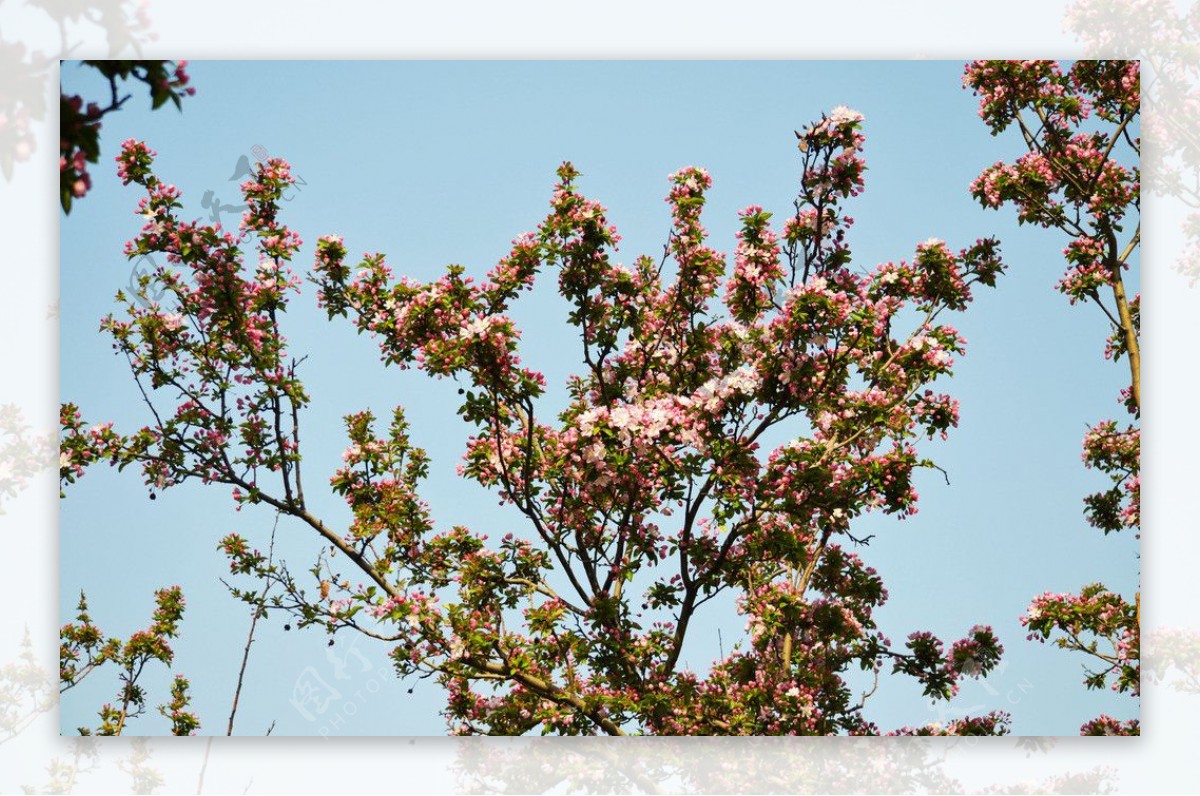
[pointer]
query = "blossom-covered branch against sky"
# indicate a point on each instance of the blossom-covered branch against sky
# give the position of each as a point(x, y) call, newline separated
point(673, 469)
point(667, 417)
point(1081, 177)
point(80, 124)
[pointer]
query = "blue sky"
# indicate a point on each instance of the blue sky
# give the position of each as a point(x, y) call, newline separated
point(438, 163)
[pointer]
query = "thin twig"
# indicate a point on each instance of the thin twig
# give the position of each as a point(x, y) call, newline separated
point(204, 766)
point(258, 610)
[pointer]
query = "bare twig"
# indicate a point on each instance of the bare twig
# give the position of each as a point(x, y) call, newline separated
point(258, 611)
point(204, 766)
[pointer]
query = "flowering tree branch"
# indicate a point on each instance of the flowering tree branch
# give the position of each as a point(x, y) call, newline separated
point(84, 649)
point(80, 127)
point(1074, 178)
point(646, 498)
